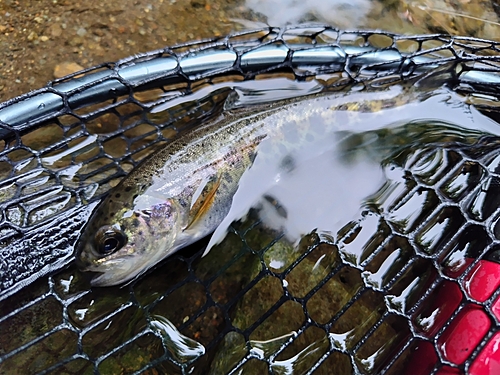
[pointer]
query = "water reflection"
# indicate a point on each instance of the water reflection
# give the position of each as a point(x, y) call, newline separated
point(301, 362)
point(317, 253)
point(182, 348)
point(331, 179)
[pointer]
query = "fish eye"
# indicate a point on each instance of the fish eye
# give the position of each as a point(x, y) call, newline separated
point(109, 240)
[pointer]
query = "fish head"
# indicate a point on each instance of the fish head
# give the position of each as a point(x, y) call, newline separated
point(121, 242)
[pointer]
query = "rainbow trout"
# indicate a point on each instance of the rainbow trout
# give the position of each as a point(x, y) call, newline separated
point(184, 191)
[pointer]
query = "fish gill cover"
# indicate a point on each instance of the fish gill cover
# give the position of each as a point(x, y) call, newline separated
point(360, 300)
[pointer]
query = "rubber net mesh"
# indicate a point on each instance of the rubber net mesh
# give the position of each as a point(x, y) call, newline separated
point(249, 317)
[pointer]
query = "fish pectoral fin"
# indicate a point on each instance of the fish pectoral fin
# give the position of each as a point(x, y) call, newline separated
point(203, 202)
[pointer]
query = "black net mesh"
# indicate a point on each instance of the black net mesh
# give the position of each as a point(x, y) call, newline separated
point(364, 313)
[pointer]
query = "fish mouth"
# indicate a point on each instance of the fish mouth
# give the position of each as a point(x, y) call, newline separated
point(88, 270)
point(84, 257)
point(99, 279)
point(82, 264)
point(91, 276)
point(115, 272)
point(85, 264)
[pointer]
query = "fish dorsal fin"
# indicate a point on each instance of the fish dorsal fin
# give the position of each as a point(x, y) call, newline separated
point(203, 201)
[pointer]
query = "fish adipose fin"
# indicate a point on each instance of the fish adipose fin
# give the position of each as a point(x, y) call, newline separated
point(204, 201)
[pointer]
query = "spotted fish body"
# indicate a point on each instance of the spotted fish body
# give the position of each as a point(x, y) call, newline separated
point(184, 191)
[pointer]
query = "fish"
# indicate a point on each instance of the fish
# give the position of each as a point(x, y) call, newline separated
point(184, 191)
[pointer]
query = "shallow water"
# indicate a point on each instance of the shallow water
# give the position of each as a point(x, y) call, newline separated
point(287, 290)
point(372, 199)
point(245, 299)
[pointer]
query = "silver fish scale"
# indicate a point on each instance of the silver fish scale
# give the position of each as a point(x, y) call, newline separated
point(64, 146)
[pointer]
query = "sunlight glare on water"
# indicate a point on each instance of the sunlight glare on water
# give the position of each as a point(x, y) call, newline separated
point(363, 188)
point(324, 183)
